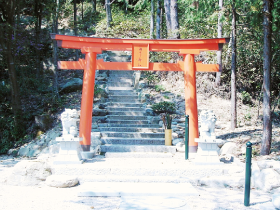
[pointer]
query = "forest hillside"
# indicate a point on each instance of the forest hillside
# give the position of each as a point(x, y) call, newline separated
point(31, 86)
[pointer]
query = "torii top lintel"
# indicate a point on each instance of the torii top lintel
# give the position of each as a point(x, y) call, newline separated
point(140, 51)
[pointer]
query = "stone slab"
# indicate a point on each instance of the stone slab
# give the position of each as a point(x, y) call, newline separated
point(137, 155)
point(154, 203)
point(93, 189)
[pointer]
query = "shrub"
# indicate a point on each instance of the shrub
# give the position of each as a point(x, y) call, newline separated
point(165, 109)
point(159, 88)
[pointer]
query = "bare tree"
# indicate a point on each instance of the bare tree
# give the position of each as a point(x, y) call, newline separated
point(7, 19)
point(267, 125)
point(174, 19)
point(54, 43)
point(219, 53)
point(233, 70)
point(158, 23)
point(167, 17)
point(152, 20)
point(108, 13)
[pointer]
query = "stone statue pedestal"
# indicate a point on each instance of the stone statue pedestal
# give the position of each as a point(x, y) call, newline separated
point(69, 152)
point(207, 152)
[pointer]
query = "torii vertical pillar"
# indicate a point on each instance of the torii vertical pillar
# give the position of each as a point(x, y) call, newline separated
point(191, 100)
point(87, 96)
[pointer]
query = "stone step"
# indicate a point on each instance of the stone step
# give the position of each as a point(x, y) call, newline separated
point(122, 92)
point(120, 88)
point(124, 105)
point(126, 99)
point(176, 166)
point(123, 97)
point(111, 141)
point(129, 128)
point(132, 134)
point(138, 195)
point(128, 113)
point(137, 148)
point(118, 84)
point(137, 155)
point(125, 117)
point(121, 73)
point(121, 79)
point(128, 122)
point(135, 179)
point(125, 109)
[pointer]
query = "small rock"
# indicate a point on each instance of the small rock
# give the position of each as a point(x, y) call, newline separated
point(174, 135)
point(176, 141)
point(62, 181)
point(149, 112)
point(102, 106)
point(180, 147)
point(276, 201)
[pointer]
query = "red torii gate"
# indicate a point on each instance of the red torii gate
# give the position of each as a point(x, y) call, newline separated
point(140, 61)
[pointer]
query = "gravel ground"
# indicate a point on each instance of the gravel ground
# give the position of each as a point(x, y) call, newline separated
point(43, 197)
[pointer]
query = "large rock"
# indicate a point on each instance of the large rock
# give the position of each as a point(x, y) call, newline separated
point(228, 148)
point(267, 180)
point(72, 85)
point(276, 200)
point(263, 164)
point(29, 173)
point(30, 150)
point(99, 112)
point(62, 181)
point(44, 121)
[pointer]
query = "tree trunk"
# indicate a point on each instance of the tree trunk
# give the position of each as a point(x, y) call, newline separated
point(167, 17)
point(54, 69)
point(219, 53)
point(152, 20)
point(93, 2)
point(108, 13)
point(38, 23)
point(7, 45)
point(174, 19)
point(158, 20)
point(75, 27)
point(233, 71)
point(82, 9)
point(267, 126)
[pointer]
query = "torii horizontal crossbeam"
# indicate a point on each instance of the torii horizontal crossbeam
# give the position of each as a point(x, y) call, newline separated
point(101, 65)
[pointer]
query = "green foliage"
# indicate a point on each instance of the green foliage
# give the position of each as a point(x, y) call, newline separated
point(246, 97)
point(159, 88)
point(151, 77)
point(124, 25)
point(164, 107)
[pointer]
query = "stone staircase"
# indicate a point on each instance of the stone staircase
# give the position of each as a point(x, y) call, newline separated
point(127, 128)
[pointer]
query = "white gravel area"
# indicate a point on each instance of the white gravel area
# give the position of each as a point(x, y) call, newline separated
point(42, 197)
